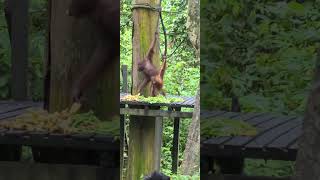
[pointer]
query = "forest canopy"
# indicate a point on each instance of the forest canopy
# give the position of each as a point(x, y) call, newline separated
point(261, 51)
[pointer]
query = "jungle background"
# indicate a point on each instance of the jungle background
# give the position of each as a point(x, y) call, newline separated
point(263, 52)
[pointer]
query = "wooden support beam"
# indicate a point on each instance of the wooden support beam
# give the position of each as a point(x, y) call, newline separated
point(124, 71)
point(175, 143)
point(31, 171)
point(155, 113)
point(122, 143)
point(241, 177)
point(158, 142)
point(17, 19)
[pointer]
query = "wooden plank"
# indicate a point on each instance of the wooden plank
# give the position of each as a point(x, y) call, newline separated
point(30, 171)
point(210, 114)
point(286, 139)
point(43, 139)
point(4, 108)
point(264, 127)
point(266, 137)
point(240, 177)
point(12, 114)
point(17, 110)
point(155, 113)
point(175, 144)
point(261, 119)
point(240, 140)
point(222, 140)
point(219, 140)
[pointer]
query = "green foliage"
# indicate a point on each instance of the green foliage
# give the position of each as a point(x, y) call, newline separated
point(37, 29)
point(182, 75)
point(161, 99)
point(262, 51)
point(225, 127)
point(273, 168)
point(89, 123)
point(182, 177)
point(153, 100)
point(166, 160)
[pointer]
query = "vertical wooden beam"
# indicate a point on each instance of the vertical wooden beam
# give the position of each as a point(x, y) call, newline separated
point(158, 142)
point(124, 71)
point(175, 144)
point(47, 61)
point(122, 142)
point(18, 26)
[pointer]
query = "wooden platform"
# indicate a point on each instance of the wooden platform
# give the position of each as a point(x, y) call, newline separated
point(187, 103)
point(276, 139)
point(10, 109)
point(31, 171)
point(172, 111)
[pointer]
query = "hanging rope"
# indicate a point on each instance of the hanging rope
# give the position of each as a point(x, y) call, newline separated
point(157, 9)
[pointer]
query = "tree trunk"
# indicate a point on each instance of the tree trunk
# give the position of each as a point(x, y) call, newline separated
point(191, 158)
point(193, 24)
point(16, 12)
point(70, 47)
point(144, 132)
point(308, 159)
point(72, 44)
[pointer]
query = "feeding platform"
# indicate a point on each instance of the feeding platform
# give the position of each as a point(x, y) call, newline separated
point(276, 137)
point(9, 110)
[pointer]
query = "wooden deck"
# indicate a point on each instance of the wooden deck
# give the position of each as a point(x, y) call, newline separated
point(276, 139)
point(11, 109)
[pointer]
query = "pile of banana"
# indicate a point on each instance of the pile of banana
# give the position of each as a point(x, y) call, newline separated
point(41, 120)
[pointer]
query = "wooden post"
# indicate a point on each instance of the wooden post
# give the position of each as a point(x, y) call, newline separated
point(175, 143)
point(143, 154)
point(72, 43)
point(122, 142)
point(17, 19)
point(124, 71)
point(124, 78)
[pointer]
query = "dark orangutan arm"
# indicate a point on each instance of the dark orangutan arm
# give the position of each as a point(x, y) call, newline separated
point(163, 67)
point(95, 67)
point(152, 47)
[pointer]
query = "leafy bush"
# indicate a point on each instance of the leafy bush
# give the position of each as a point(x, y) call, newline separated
point(37, 30)
point(262, 51)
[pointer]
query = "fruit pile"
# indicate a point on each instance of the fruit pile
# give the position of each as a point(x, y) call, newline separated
point(157, 99)
point(67, 121)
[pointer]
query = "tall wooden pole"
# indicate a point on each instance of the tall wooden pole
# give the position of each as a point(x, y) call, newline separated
point(70, 47)
point(144, 132)
point(17, 19)
point(72, 43)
